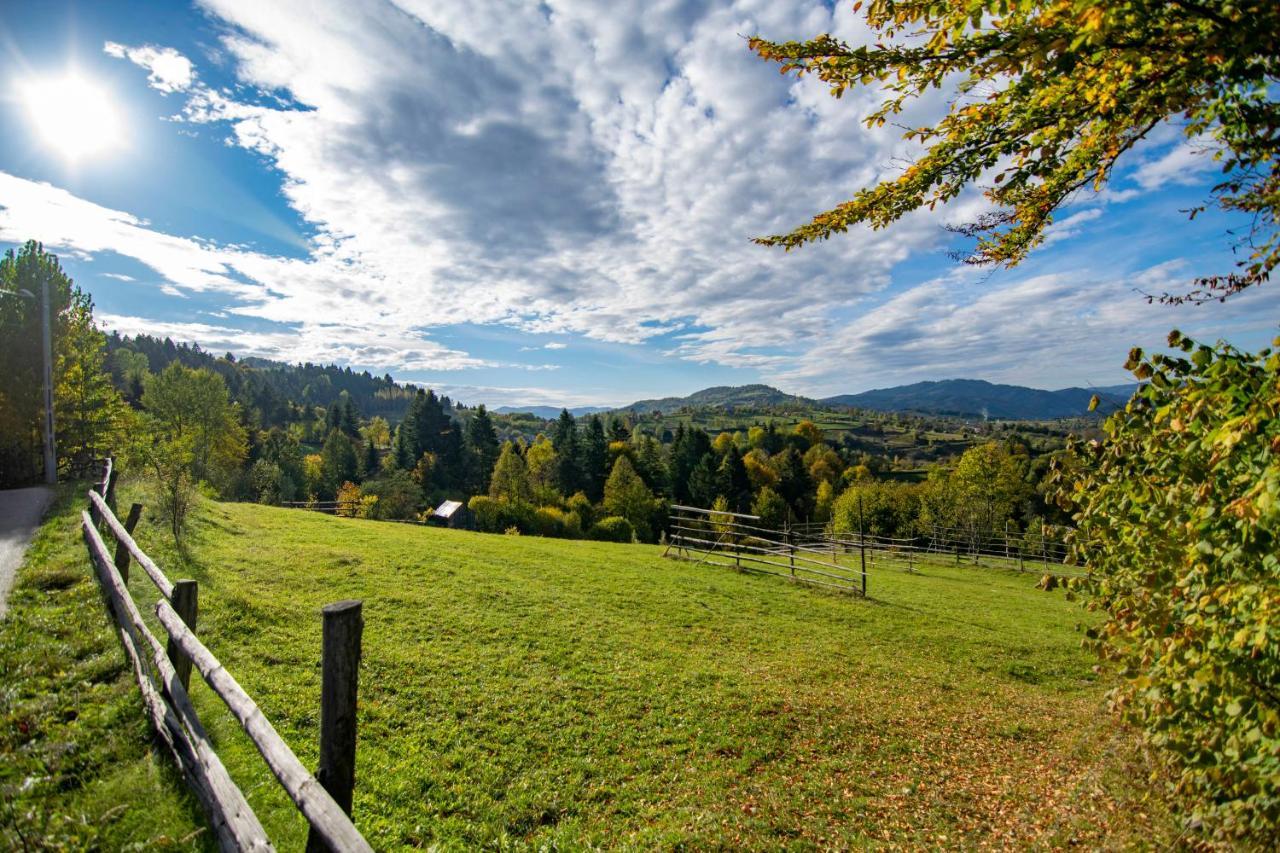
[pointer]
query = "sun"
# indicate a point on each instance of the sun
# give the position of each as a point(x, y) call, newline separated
point(72, 115)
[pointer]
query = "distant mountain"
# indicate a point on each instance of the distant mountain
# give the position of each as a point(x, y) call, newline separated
point(549, 413)
point(721, 396)
point(978, 398)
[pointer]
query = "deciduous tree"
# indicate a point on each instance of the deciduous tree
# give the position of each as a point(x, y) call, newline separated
point(1050, 95)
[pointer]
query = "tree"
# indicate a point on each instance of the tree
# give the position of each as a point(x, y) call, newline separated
point(564, 438)
point(989, 486)
point(377, 432)
point(794, 483)
point(398, 495)
point(732, 482)
point(87, 405)
point(1051, 94)
point(510, 480)
point(89, 408)
point(810, 432)
point(369, 463)
point(482, 447)
point(594, 458)
point(192, 407)
point(544, 469)
point(771, 508)
point(1177, 516)
point(703, 480)
point(338, 463)
point(626, 496)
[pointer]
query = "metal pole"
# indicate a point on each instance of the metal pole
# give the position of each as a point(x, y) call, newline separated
point(50, 453)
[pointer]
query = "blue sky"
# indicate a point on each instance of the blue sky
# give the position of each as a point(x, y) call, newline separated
point(549, 203)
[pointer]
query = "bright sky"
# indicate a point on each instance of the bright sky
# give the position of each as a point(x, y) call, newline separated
point(548, 203)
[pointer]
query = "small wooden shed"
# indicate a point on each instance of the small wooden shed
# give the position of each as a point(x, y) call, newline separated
point(451, 514)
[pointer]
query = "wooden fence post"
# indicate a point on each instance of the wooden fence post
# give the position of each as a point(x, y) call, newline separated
point(122, 553)
point(109, 495)
point(862, 547)
point(343, 626)
point(185, 603)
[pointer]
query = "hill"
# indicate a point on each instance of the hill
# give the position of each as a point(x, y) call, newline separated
point(979, 398)
point(529, 693)
point(721, 397)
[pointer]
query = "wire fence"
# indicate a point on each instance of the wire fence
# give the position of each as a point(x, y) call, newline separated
point(732, 540)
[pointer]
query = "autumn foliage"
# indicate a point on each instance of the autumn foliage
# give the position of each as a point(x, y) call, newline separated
point(1178, 514)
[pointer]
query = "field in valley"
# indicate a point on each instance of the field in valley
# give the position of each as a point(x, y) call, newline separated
point(521, 691)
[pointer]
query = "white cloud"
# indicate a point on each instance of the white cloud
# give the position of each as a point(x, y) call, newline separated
point(1048, 330)
point(575, 168)
point(495, 396)
point(118, 276)
point(569, 167)
point(167, 70)
point(315, 343)
point(1185, 163)
point(554, 345)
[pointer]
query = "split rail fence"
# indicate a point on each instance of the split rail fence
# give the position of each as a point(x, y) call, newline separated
point(737, 541)
point(163, 674)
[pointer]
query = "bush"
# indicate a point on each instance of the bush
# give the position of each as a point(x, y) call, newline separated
point(553, 521)
point(1178, 514)
point(499, 515)
point(615, 528)
point(580, 505)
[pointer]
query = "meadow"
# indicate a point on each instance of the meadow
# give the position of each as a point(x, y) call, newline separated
point(524, 692)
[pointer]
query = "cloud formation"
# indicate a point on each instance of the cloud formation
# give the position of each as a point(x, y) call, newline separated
point(584, 168)
point(571, 167)
point(167, 70)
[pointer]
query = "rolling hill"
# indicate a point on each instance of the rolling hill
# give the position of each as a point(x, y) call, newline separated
point(978, 398)
point(721, 396)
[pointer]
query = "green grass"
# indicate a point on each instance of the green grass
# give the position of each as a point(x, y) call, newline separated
point(77, 770)
point(520, 692)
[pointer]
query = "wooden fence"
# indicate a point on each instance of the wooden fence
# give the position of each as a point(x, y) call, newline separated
point(163, 675)
point(1018, 551)
point(730, 539)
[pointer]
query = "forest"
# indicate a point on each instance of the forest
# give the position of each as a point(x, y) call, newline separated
point(302, 435)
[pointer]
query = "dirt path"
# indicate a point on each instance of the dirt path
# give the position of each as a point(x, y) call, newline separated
point(20, 514)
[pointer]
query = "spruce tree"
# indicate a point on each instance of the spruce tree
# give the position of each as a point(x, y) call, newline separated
point(594, 458)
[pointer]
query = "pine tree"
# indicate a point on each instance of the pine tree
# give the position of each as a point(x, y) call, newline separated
point(703, 481)
point(564, 438)
point(482, 446)
point(594, 458)
point(732, 482)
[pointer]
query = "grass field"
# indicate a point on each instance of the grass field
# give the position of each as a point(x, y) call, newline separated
point(520, 692)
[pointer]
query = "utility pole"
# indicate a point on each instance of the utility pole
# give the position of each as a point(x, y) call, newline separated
point(50, 451)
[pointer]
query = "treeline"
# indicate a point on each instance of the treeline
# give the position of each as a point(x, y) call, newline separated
point(88, 408)
point(269, 393)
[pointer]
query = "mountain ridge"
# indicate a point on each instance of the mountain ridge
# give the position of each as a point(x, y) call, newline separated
point(954, 397)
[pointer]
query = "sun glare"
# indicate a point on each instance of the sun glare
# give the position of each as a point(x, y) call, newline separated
point(73, 116)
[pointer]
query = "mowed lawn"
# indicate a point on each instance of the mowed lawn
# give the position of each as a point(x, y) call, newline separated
point(518, 691)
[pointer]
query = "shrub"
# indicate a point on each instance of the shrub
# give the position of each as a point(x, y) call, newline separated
point(348, 499)
point(615, 528)
point(498, 515)
point(581, 506)
point(1178, 514)
point(553, 521)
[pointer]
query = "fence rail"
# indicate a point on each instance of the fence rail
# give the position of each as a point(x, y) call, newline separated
point(163, 676)
point(727, 539)
point(1012, 550)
